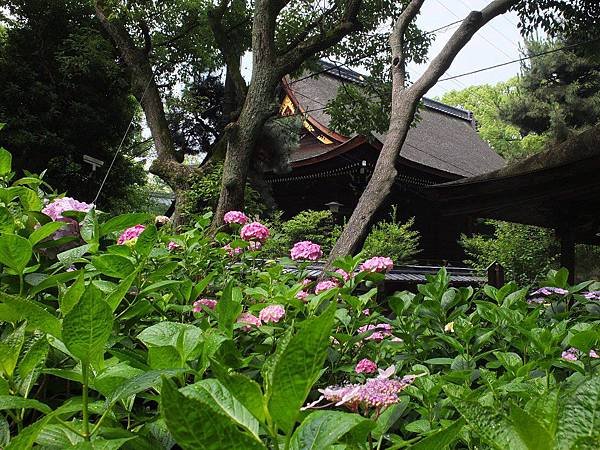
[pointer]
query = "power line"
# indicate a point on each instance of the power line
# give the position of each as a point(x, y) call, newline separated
point(492, 26)
point(524, 58)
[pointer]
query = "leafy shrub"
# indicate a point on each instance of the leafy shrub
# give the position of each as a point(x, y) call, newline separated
point(171, 341)
point(397, 240)
point(526, 252)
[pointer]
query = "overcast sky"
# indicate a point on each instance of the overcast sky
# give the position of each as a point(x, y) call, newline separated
point(495, 43)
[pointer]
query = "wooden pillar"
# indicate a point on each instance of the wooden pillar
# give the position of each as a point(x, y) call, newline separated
point(567, 252)
point(495, 273)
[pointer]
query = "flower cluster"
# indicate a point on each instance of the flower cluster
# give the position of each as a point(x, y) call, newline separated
point(365, 365)
point(173, 246)
point(272, 313)
point(592, 295)
point(377, 393)
point(573, 354)
point(380, 331)
point(235, 217)
point(249, 321)
point(377, 264)
point(548, 291)
point(306, 250)
point(207, 302)
point(302, 295)
point(130, 235)
point(254, 231)
point(345, 275)
point(55, 209)
point(323, 286)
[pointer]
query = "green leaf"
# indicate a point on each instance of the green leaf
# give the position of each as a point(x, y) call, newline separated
point(10, 349)
point(7, 223)
point(5, 162)
point(54, 280)
point(212, 392)
point(492, 427)
point(68, 257)
point(36, 316)
point(34, 357)
point(12, 402)
point(89, 229)
point(184, 337)
point(324, 428)
point(165, 357)
point(579, 414)
point(247, 391)
point(140, 383)
point(298, 367)
point(44, 231)
point(113, 265)
point(72, 295)
point(26, 438)
point(15, 252)
point(114, 298)
point(196, 426)
point(441, 438)
point(88, 326)
point(229, 308)
point(145, 241)
point(123, 221)
point(533, 434)
point(29, 199)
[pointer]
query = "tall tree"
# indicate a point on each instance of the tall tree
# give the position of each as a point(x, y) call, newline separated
point(64, 95)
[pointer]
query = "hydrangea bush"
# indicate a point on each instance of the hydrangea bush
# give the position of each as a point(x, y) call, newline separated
point(179, 340)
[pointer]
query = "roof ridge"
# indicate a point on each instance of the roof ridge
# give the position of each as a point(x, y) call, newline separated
point(356, 77)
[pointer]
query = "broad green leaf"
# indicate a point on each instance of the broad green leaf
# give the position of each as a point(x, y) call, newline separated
point(36, 316)
point(4, 432)
point(15, 252)
point(196, 426)
point(140, 383)
point(99, 443)
point(298, 368)
point(54, 280)
point(123, 221)
point(114, 298)
point(89, 229)
point(165, 357)
point(490, 424)
point(441, 438)
point(108, 380)
point(26, 438)
point(30, 199)
point(184, 337)
point(113, 265)
point(229, 308)
point(5, 162)
point(324, 428)
point(579, 414)
point(145, 241)
point(12, 402)
point(10, 349)
point(88, 326)
point(7, 223)
point(212, 392)
point(68, 257)
point(158, 285)
point(44, 231)
point(247, 391)
point(34, 357)
point(389, 417)
point(72, 295)
point(533, 434)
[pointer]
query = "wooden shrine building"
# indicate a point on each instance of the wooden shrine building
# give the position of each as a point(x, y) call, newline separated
point(330, 170)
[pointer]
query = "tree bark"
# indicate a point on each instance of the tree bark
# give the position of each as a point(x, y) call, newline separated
point(168, 164)
point(404, 105)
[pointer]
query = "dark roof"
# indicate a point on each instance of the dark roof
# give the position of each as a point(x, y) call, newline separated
point(444, 139)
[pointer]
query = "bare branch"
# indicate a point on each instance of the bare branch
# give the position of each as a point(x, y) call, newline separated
point(469, 26)
point(397, 40)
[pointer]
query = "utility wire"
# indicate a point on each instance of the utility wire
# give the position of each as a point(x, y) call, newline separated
point(112, 163)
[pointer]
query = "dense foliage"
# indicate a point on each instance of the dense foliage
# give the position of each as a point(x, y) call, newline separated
point(399, 241)
point(144, 339)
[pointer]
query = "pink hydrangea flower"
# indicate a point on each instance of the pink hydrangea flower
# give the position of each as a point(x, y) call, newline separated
point(593, 354)
point(208, 302)
point(235, 217)
point(306, 282)
point(254, 246)
point(56, 208)
point(302, 295)
point(366, 312)
point(571, 354)
point(254, 231)
point(173, 246)
point(306, 250)
point(249, 321)
point(272, 313)
point(381, 331)
point(232, 251)
point(377, 264)
point(365, 365)
point(345, 275)
point(323, 286)
point(130, 233)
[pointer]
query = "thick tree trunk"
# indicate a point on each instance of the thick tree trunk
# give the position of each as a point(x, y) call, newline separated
point(404, 104)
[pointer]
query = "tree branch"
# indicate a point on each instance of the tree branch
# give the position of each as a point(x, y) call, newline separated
point(469, 26)
point(397, 40)
point(293, 58)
